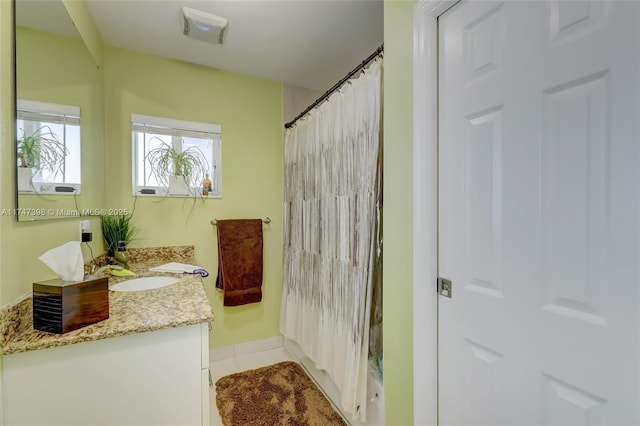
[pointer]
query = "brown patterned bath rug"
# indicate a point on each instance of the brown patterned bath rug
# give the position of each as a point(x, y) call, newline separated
point(279, 394)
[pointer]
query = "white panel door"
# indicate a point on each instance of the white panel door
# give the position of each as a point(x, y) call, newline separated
point(539, 187)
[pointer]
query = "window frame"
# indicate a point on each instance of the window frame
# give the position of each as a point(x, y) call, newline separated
point(177, 129)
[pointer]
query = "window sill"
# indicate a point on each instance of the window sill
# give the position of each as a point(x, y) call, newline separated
point(41, 193)
point(194, 196)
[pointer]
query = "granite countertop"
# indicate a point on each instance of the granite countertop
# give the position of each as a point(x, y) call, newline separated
point(179, 304)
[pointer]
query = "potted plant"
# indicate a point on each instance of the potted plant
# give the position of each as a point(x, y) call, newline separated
point(40, 151)
point(181, 171)
point(115, 230)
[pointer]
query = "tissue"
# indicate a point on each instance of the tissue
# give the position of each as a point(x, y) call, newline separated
point(66, 261)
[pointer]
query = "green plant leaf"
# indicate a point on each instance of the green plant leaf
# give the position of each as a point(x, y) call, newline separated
point(166, 161)
point(41, 150)
point(116, 228)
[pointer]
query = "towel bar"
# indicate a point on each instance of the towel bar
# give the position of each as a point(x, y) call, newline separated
point(214, 221)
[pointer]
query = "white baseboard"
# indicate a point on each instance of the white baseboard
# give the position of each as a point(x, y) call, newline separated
point(226, 352)
point(257, 346)
point(220, 354)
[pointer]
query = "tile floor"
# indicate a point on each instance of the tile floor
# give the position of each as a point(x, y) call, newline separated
point(240, 363)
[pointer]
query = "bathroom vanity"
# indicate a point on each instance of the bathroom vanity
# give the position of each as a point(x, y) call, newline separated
point(147, 364)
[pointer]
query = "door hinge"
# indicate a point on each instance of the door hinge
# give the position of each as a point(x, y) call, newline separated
point(444, 287)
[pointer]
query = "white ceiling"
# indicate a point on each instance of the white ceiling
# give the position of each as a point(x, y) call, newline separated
point(307, 43)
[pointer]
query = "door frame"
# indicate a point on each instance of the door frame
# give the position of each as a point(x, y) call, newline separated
point(425, 208)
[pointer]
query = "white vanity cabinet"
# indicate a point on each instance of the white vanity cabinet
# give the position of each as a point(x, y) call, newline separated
point(152, 378)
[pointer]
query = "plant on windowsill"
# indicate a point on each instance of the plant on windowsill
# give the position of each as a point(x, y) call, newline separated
point(40, 151)
point(180, 171)
point(116, 229)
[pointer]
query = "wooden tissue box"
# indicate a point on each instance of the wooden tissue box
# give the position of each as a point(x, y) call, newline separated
point(63, 306)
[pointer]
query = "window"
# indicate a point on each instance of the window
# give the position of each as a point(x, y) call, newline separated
point(48, 148)
point(175, 157)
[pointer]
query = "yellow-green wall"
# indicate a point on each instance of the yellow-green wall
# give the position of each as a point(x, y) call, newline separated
point(6, 134)
point(249, 110)
point(398, 206)
point(6, 127)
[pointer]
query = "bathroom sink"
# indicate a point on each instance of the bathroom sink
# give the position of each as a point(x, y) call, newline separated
point(146, 283)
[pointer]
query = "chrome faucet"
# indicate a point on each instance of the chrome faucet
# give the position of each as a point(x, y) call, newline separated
point(95, 274)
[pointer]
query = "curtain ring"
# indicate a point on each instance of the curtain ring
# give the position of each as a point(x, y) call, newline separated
point(343, 85)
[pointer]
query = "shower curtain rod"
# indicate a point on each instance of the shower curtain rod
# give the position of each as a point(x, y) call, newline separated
point(336, 86)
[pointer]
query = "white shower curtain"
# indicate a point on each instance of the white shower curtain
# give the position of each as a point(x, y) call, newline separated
point(330, 198)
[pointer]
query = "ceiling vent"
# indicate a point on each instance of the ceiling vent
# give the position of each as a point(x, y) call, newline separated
point(203, 26)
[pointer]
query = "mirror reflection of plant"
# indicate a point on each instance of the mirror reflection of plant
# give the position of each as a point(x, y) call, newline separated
point(166, 161)
point(41, 150)
point(116, 228)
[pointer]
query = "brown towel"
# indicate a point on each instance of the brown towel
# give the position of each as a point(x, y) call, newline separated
point(240, 261)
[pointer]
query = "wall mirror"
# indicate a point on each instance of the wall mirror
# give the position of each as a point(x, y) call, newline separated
point(59, 116)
